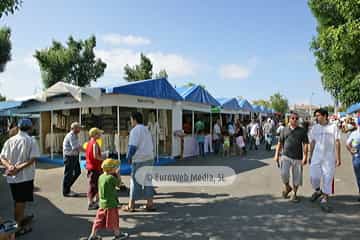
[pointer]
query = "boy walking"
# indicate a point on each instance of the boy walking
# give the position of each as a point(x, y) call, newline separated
point(107, 216)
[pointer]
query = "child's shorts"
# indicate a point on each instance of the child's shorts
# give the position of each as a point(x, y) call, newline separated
point(107, 219)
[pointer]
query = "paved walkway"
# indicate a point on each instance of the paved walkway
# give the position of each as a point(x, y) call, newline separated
point(251, 208)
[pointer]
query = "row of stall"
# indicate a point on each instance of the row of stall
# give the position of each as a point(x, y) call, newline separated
point(166, 110)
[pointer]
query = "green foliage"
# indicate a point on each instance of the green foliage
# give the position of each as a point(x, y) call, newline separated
point(2, 98)
point(262, 102)
point(142, 71)
point(191, 84)
point(329, 108)
point(75, 63)
point(337, 47)
point(9, 6)
point(162, 74)
point(279, 103)
point(5, 47)
point(139, 72)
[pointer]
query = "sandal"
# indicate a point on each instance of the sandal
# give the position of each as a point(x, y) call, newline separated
point(285, 193)
point(148, 209)
point(127, 209)
point(23, 231)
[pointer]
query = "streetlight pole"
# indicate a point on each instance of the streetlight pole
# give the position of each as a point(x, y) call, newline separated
point(312, 94)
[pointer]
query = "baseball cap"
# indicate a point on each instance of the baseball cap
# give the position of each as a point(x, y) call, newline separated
point(25, 122)
point(95, 131)
point(110, 164)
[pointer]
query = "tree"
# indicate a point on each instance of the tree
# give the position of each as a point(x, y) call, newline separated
point(142, 71)
point(191, 84)
point(5, 47)
point(279, 103)
point(162, 74)
point(329, 108)
point(336, 47)
point(9, 6)
point(2, 98)
point(262, 102)
point(139, 72)
point(74, 63)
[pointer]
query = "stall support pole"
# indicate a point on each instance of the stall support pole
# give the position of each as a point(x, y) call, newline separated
point(80, 125)
point(52, 135)
point(211, 123)
point(157, 136)
point(193, 123)
point(118, 130)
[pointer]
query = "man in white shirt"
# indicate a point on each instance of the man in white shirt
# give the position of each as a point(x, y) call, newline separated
point(254, 133)
point(140, 154)
point(324, 157)
point(217, 136)
point(18, 156)
point(353, 146)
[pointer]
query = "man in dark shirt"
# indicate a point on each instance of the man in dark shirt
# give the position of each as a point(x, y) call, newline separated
point(293, 143)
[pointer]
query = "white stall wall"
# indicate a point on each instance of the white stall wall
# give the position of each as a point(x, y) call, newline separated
point(177, 125)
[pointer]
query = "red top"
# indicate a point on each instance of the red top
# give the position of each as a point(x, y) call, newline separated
point(91, 162)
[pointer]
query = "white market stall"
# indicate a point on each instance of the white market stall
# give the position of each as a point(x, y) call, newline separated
point(108, 109)
point(196, 105)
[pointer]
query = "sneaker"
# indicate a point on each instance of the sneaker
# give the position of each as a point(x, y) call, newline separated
point(71, 194)
point(121, 236)
point(94, 238)
point(315, 196)
point(93, 206)
point(324, 205)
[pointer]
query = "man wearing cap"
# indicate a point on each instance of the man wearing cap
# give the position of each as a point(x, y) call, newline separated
point(71, 150)
point(18, 156)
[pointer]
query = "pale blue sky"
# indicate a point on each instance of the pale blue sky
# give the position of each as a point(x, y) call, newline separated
point(248, 48)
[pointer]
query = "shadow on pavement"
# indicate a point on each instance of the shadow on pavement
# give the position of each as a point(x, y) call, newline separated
point(254, 217)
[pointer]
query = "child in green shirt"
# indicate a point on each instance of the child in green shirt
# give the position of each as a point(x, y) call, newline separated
point(107, 216)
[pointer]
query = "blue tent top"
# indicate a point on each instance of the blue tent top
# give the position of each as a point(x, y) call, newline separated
point(257, 109)
point(263, 109)
point(9, 104)
point(229, 103)
point(245, 105)
point(342, 114)
point(353, 108)
point(153, 88)
point(197, 94)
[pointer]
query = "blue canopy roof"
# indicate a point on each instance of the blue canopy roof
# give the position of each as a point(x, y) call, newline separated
point(153, 88)
point(353, 108)
point(229, 103)
point(245, 105)
point(197, 94)
point(9, 104)
point(257, 109)
point(263, 109)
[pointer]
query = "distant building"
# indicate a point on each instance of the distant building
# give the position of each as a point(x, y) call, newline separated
point(305, 111)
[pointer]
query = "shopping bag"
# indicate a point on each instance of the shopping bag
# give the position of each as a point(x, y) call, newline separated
point(240, 141)
point(257, 141)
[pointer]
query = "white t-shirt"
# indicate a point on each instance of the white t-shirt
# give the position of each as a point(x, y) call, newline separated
point(217, 131)
point(325, 138)
point(354, 138)
point(18, 149)
point(140, 137)
point(254, 129)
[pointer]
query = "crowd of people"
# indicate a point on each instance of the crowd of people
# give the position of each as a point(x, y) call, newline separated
point(296, 146)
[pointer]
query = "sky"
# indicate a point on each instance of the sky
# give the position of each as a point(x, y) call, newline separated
point(235, 48)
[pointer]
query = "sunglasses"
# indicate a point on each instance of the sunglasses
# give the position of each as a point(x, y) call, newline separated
point(294, 118)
